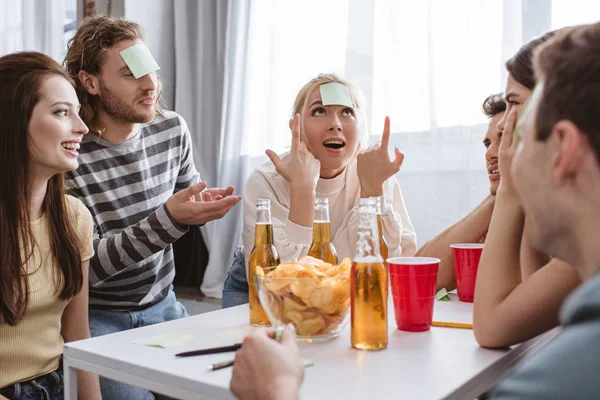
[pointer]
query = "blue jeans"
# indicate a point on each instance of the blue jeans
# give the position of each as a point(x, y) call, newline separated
point(103, 322)
point(48, 387)
point(235, 289)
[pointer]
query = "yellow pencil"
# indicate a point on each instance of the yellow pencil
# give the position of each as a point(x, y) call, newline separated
point(452, 324)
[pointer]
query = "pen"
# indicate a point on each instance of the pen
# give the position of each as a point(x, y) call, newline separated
point(220, 365)
point(452, 324)
point(225, 364)
point(213, 350)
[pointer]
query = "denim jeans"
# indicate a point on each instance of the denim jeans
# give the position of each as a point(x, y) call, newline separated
point(45, 387)
point(235, 289)
point(103, 322)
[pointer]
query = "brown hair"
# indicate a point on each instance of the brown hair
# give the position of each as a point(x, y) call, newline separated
point(520, 66)
point(493, 105)
point(355, 96)
point(22, 76)
point(94, 35)
point(569, 68)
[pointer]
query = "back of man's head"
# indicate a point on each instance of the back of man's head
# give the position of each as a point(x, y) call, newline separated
point(94, 35)
point(568, 66)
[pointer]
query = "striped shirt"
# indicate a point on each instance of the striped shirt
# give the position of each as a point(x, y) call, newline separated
point(125, 186)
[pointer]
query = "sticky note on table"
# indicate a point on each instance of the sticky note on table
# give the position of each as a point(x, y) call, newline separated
point(442, 295)
point(334, 93)
point(139, 60)
point(164, 341)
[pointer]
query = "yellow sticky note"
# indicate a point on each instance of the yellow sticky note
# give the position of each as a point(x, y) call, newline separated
point(139, 60)
point(165, 340)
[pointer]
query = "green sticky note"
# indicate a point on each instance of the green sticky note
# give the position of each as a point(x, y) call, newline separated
point(442, 295)
point(164, 341)
point(335, 94)
point(307, 363)
point(139, 60)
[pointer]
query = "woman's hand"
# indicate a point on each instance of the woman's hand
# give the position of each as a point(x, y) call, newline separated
point(374, 165)
point(299, 168)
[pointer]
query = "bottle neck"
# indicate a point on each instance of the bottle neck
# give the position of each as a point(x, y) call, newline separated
point(263, 233)
point(367, 245)
point(321, 214)
point(321, 232)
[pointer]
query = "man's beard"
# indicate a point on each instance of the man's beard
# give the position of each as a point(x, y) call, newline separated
point(119, 110)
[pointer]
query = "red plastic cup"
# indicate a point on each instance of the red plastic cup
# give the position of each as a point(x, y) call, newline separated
point(413, 291)
point(466, 261)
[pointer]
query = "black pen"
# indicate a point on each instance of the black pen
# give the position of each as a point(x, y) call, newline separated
point(213, 350)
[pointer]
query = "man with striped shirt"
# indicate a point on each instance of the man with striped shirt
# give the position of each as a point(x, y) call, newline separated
point(137, 176)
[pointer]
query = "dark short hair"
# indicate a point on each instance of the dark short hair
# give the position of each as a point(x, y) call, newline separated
point(520, 66)
point(568, 65)
point(493, 105)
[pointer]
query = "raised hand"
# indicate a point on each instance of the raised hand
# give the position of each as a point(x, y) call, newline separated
point(196, 206)
point(374, 165)
point(299, 168)
point(506, 153)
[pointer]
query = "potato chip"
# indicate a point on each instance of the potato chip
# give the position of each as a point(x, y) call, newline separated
point(292, 316)
point(312, 326)
point(304, 288)
point(289, 304)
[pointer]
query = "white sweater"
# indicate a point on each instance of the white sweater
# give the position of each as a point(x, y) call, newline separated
point(293, 241)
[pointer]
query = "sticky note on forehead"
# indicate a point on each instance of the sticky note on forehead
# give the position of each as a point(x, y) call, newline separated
point(335, 94)
point(139, 60)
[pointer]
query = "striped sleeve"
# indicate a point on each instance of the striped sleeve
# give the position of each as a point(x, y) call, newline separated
point(133, 245)
point(126, 186)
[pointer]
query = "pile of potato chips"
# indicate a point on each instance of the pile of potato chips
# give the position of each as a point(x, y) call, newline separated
point(310, 293)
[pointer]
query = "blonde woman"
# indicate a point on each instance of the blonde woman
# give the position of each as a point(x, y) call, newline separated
point(328, 160)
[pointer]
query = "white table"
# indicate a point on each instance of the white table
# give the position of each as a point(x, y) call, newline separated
point(441, 363)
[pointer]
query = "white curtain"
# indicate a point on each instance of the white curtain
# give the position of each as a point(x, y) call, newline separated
point(33, 25)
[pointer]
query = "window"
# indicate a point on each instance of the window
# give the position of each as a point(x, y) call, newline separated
point(70, 21)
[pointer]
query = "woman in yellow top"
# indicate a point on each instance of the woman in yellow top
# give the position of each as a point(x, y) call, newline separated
point(46, 236)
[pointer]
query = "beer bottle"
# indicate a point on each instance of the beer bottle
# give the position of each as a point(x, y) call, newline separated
point(368, 284)
point(263, 254)
point(321, 246)
point(383, 249)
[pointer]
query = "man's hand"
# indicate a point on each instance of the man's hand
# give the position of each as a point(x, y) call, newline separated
point(266, 369)
point(197, 205)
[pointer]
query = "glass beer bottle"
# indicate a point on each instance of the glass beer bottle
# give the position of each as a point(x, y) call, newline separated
point(383, 249)
point(321, 246)
point(263, 254)
point(368, 284)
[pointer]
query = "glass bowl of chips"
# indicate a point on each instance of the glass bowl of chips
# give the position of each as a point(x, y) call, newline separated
point(309, 293)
